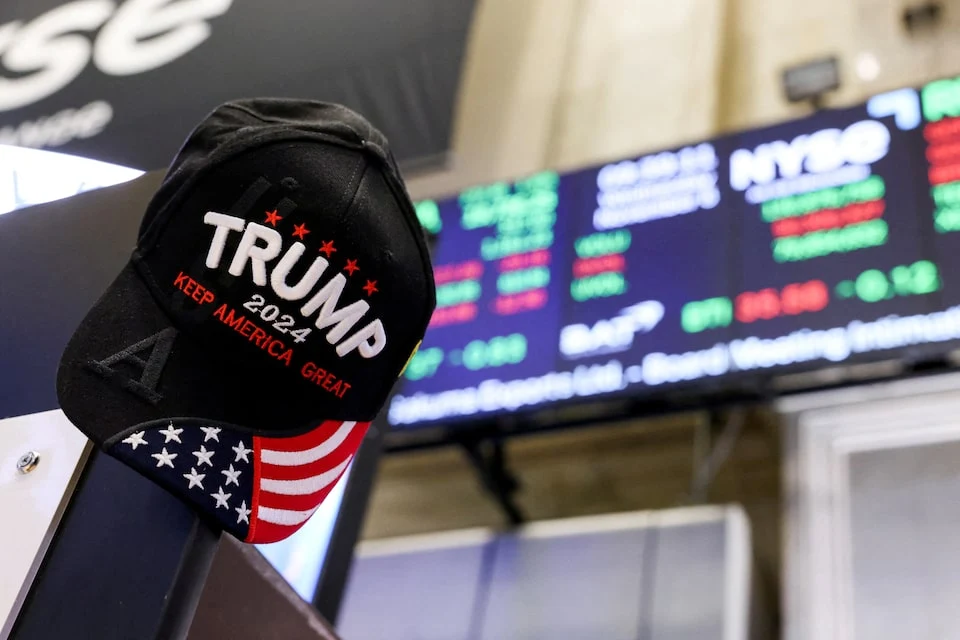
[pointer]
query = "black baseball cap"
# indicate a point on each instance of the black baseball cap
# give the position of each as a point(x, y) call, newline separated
point(279, 286)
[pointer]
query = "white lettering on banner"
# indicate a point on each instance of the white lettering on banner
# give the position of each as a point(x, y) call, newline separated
point(861, 143)
point(146, 34)
point(368, 340)
point(47, 53)
point(59, 128)
point(805, 345)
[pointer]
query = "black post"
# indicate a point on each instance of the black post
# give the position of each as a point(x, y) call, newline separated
point(489, 460)
point(349, 524)
point(128, 560)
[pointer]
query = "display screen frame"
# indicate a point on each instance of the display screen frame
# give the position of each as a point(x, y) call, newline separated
point(900, 113)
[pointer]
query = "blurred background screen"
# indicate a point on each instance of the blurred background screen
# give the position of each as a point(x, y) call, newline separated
point(775, 250)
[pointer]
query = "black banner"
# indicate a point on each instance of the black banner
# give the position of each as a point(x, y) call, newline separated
point(125, 81)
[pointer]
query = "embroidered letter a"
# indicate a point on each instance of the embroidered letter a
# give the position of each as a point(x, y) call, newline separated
point(158, 346)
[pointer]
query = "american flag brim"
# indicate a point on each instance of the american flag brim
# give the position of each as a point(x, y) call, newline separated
point(260, 489)
point(292, 476)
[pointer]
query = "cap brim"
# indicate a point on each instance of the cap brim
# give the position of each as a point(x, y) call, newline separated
point(126, 365)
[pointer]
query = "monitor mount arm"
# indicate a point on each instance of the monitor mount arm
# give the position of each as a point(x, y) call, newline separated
point(489, 460)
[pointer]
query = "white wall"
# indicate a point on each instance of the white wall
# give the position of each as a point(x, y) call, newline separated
point(565, 83)
point(562, 83)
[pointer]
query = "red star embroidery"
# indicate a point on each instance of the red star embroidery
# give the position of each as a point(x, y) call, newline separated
point(272, 218)
point(351, 267)
point(300, 230)
point(327, 248)
point(370, 287)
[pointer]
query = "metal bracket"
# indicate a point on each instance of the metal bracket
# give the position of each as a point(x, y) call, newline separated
point(489, 460)
point(714, 440)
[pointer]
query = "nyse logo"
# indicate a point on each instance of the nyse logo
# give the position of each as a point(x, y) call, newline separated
point(613, 335)
point(49, 52)
point(861, 143)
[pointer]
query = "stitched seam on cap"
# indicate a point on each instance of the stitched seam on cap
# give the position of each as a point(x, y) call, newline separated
point(243, 109)
point(356, 181)
point(413, 225)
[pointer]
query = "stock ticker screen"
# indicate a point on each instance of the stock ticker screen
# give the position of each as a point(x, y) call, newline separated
point(791, 247)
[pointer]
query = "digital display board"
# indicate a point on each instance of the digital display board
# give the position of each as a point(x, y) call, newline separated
point(498, 295)
point(790, 247)
point(650, 266)
point(829, 237)
point(940, 176)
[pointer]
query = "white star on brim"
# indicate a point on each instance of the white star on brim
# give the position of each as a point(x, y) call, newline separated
point(164, 459)
point(203, 456)
point(210, 433)
point(243, 514)
point(221, 498)
point(232, 475)
point(242, 452)
point(135, 440)
point(171, 434)
point(196, 479)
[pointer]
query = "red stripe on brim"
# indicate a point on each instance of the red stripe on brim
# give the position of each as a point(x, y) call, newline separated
point(268, 532)
point(345, 450)
point(297, 503)
point(265, 532)
point(304, 441)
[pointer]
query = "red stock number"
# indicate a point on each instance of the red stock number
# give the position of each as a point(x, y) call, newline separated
point(793, 299)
